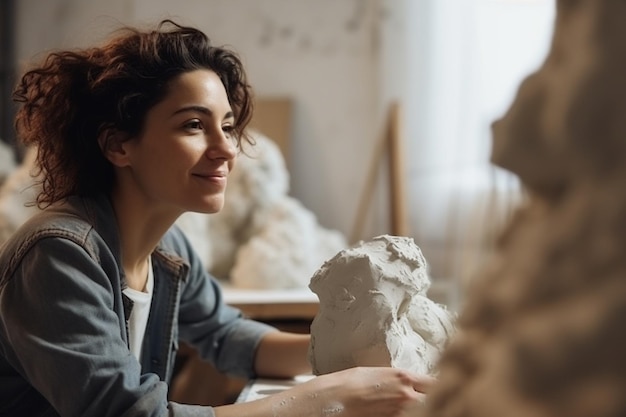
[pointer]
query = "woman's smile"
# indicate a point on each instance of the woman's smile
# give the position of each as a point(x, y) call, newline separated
point(218, 178)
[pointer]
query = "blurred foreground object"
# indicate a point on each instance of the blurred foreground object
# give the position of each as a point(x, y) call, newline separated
point(542, 333)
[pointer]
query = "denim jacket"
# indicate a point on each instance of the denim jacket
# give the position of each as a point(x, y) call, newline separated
point(63, 320)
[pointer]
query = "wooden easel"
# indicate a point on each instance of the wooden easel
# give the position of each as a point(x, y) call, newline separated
point(391, 144)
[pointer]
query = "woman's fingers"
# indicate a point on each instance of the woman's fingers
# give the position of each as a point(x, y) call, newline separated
point(423, 383)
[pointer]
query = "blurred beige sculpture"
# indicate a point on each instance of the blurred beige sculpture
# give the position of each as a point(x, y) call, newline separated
point(542, 332)
point(374, 309)
point(7, 160)
point(17, 195)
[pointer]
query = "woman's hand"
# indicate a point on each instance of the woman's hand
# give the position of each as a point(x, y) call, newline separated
point(362, 392)
point(354, 392)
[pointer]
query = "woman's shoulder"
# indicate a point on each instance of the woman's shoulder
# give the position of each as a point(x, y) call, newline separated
point(64, 222)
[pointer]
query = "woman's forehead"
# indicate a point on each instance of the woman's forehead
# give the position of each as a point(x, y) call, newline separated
point(198, 88)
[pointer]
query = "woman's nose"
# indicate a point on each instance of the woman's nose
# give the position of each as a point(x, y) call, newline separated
point(221, 145)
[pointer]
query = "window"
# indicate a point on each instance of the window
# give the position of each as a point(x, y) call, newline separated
point(465, 61)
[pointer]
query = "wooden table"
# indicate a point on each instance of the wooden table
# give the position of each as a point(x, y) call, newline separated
point(259, 388)
point(272, 305)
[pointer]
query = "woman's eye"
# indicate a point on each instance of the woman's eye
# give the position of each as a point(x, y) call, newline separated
point(228, 129)
point(193, 125)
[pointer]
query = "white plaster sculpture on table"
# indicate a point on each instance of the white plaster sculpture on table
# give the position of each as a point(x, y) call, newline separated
point(542, 331)
point(374, 309)
point(280, 243)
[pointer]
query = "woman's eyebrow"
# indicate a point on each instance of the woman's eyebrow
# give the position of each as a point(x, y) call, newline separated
point(202, 109)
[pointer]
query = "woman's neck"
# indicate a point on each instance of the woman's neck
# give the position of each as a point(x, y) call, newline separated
point(141, 226)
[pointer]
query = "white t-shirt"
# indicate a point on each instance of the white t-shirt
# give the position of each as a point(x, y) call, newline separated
point(139, 315)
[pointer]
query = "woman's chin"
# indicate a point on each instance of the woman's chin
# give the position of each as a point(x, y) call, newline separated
point(208, 206)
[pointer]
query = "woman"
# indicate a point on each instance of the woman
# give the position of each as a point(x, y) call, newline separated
point(98, 288)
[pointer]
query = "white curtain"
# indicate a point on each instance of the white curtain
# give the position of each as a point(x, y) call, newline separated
point(466, 59)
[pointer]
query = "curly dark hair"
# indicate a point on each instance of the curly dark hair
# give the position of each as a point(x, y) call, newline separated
point(74, 96)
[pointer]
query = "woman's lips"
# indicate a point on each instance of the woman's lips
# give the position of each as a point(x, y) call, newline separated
point(218, 177)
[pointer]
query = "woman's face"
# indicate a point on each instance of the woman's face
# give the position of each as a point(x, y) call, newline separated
point(181, 159)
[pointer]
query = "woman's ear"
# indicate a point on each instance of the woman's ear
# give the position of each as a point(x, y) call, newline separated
point(111, 143)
